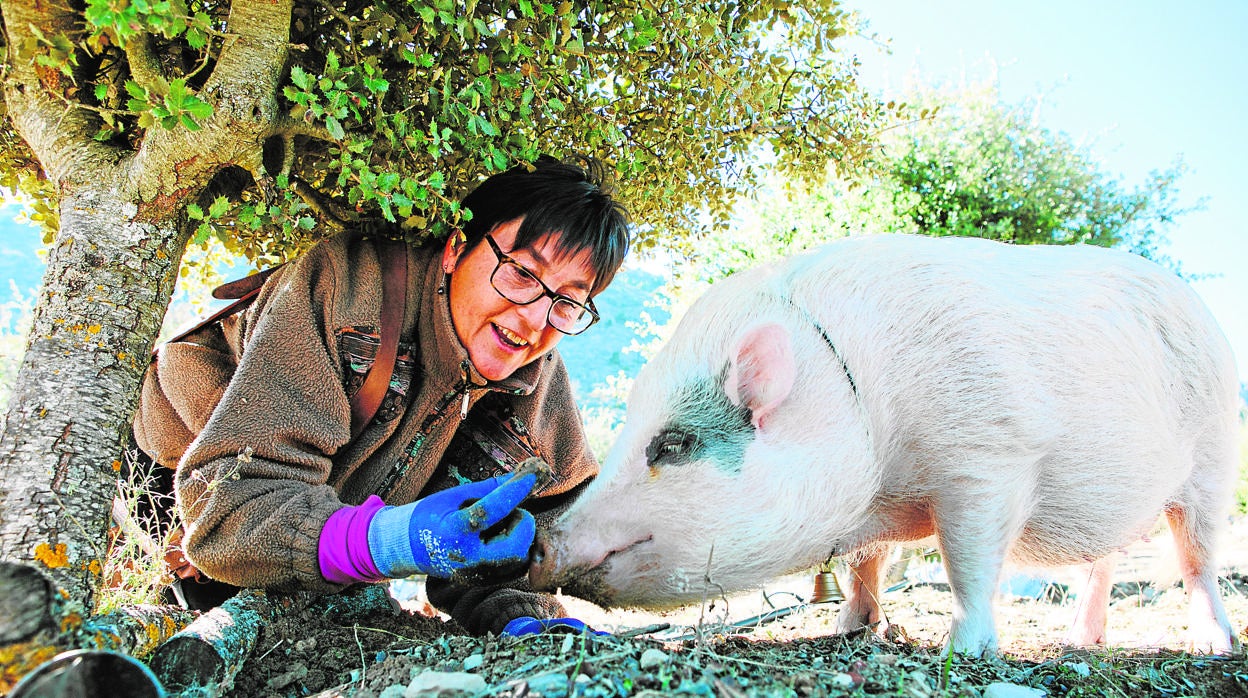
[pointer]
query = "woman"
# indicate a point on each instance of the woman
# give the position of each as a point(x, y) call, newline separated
point(274, 490)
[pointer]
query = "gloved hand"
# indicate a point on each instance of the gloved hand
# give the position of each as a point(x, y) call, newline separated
point(528, 625)
point(445, 534)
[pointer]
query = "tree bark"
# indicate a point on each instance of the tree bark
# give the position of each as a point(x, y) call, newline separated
point(107, 284)
point(207, 654)
point(109, 277)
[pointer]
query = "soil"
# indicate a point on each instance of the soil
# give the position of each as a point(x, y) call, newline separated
point(794, 655)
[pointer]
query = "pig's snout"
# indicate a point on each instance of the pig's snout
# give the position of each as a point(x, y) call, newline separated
point(556, 564)
point(541, 564)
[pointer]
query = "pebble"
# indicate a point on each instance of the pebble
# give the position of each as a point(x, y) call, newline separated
point(474, 661)
point(843, 681)
point(1080, 668)
point(652, 658)
point(438, 683)
point(551, 685)
point(1009, 690)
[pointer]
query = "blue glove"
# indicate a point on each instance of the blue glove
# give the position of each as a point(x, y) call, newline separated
point(472, 525)
point(528, 625)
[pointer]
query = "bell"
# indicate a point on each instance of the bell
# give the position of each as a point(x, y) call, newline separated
point(827, 589)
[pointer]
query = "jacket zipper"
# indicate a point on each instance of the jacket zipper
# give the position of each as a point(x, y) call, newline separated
point(462, 391)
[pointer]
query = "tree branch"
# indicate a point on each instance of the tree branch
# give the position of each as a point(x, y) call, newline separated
point(334, 216)
point(242, 89)
point(256, 52)
point(144, 67)
point(35, 96)
point(286, 126)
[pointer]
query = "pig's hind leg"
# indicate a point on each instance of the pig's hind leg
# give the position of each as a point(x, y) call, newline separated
point(1195, 531)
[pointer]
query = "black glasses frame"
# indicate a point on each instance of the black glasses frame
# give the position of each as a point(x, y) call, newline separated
point(554, 297)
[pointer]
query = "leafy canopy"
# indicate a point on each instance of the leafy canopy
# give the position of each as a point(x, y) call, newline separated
point(397, 108)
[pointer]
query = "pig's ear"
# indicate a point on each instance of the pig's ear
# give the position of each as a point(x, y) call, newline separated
point(761, 371)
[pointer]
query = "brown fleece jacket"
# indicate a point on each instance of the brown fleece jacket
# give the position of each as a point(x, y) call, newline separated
point(274, 457)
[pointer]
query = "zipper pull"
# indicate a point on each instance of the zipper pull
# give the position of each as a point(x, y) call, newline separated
point(463, 376)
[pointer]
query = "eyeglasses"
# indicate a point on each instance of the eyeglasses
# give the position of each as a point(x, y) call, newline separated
point(522, 287)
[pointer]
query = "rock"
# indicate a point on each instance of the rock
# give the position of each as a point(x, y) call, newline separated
point(434, 684)
point(1081, 669)
point(551, 685)
point(1009, 690)
point(652, 658)
point(843, 681)
point(474, 661)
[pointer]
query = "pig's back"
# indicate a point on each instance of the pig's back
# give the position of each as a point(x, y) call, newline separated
point(1067, 372)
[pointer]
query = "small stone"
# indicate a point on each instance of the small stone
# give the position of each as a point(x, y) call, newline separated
point(474, 661)
point(429, 684)
point(552, 685)
point(1009, 690)
point(842, 681)
point(1080, 668)
point(652, 658)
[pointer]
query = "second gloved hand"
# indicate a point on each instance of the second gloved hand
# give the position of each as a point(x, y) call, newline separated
point(474, 525)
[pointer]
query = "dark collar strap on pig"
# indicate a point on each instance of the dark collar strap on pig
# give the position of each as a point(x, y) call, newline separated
point(853, 385)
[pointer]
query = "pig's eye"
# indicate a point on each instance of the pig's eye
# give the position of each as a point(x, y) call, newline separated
point(670, 446)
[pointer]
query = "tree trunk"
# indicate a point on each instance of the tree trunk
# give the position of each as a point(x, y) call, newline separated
point(108, 282)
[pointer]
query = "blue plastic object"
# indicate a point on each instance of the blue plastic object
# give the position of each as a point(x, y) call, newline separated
point(528, 625)
point(470, 525)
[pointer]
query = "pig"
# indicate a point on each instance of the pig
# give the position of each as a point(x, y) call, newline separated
point(1035, 404)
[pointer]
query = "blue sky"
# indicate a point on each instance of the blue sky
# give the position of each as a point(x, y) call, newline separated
point(1143, 81)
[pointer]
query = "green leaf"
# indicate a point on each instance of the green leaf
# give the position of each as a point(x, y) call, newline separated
point(335, 128)
point(202, 232)
point(218, 207)
point(300, 78)
point(196, 107)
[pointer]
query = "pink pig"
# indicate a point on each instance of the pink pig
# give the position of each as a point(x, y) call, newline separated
point(1041, 404)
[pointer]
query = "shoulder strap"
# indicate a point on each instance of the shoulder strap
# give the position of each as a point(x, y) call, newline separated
point(366, 402)
point(244, 290)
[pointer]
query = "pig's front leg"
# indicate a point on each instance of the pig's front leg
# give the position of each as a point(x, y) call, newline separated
point(862, 602)
point(1089, 624)
point(973, 537)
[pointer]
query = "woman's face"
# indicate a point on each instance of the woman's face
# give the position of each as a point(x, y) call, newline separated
point(501, 336)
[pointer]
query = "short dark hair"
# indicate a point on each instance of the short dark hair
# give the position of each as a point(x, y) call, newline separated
point(571, 198)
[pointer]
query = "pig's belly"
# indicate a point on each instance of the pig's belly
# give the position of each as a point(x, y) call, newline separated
point(1072, 546)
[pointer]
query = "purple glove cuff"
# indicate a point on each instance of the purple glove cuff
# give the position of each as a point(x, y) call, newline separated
point(343, 546)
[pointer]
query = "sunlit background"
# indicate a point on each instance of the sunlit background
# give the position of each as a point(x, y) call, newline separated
point(1139, 83)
